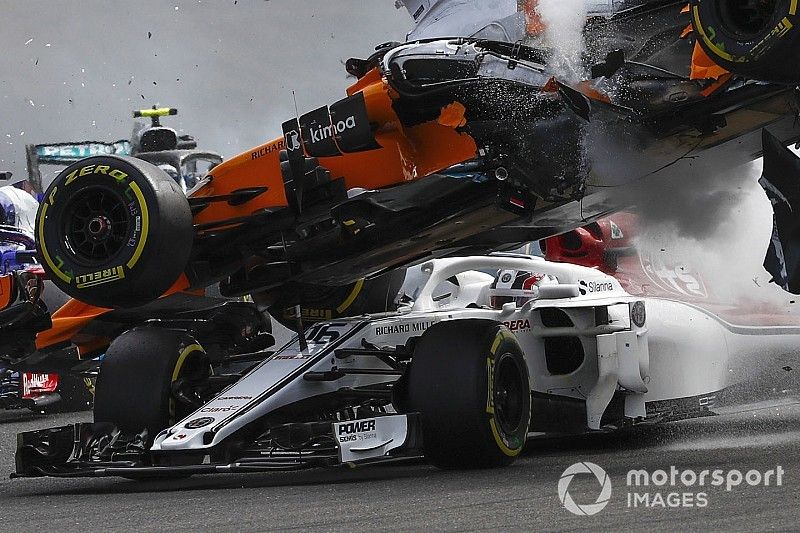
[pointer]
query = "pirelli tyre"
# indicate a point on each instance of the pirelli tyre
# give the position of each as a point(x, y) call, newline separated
point(759, 39)
point(320, 303)
point(114, 231)
point(134, 389)
point(469, 382)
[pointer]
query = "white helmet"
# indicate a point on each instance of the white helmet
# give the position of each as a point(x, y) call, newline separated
point(518, 286)
point(18, 208)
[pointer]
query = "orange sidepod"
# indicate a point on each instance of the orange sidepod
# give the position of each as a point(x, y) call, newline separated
point(406, 154)
point(67, 322)
point(73, 316)
point(257, 167)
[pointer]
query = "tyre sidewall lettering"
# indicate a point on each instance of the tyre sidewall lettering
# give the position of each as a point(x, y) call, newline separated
point(503, 345)
point(69, 271)
point(781, 26)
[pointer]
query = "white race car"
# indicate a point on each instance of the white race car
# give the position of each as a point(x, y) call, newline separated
point(463, 376)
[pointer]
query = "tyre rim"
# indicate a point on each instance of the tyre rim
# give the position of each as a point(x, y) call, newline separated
point(186, 397)
point(508, 394)
point(97, 226)
point(747, 18)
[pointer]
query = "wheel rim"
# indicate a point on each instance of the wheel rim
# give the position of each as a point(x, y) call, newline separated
point(509, 403)
point(184, 397)
point(97, 226)
point(747, 18)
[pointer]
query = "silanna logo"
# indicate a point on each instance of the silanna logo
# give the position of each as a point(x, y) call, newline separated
point(595, 286)
point(321, 133)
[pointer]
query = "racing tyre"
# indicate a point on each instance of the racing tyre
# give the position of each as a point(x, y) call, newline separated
point(114, 231)
point(759, 39)
point(469, 382)
point(320, 303)
point(134, 386)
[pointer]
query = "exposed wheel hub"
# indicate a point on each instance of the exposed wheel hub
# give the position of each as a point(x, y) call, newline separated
point(99, 228)
point(97, 225)
point(747, 18)
point(508, 391)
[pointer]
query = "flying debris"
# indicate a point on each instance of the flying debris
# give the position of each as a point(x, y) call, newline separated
point(781, 182)
point(447, 144)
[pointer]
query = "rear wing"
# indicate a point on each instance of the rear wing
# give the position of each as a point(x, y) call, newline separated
point(67, 153)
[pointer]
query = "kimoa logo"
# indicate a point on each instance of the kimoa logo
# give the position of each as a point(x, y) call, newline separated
point(590, 509)
point(326, 132)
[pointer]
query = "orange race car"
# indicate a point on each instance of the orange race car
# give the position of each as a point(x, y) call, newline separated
point(441, 145)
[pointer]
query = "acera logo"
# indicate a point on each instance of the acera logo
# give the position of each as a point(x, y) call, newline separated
point(517, 325)
point(356, 427)
point(326, 132)
point(585, 509)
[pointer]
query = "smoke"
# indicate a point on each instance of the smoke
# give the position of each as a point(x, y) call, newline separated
point(717, 225)
point(701, 205)
point(719, 234)
point(564, 21)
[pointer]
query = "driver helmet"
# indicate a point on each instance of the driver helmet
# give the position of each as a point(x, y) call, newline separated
point(8, 211)
point(171, 171)
point(416, 8)
point(518, 286)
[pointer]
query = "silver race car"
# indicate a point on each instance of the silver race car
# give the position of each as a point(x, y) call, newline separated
point(463, 375)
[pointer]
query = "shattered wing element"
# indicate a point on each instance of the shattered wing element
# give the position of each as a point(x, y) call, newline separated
point(781, 181)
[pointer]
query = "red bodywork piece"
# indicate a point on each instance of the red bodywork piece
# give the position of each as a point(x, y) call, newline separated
point(610, 246)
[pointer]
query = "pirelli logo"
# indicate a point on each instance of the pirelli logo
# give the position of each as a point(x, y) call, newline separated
point(99, 278)
point(777, 32)
point(310, 314)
